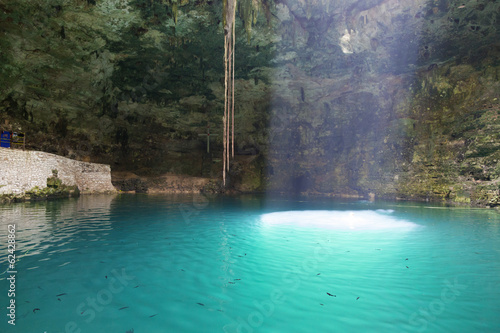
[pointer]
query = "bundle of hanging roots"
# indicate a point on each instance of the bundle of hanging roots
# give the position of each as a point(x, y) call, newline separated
point(229, 40)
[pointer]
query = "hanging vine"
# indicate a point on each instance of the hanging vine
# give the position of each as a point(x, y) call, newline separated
point(248, 10)
point(229, 14)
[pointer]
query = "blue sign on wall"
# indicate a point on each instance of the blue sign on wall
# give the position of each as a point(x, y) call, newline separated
point(5, 142)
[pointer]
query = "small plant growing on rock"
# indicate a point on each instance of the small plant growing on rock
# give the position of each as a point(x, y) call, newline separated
point(54, 181)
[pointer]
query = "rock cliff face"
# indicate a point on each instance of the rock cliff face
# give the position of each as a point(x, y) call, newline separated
point(391, 98)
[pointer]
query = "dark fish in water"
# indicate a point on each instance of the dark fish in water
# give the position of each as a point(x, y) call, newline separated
point(36, 309)
point(59, 299)
point(136, 286)
point(106, 276)
point(182, 270)
point(231, 282)
point(153, 315)
point(406, 259)
point(318, 274)
point(321, 304)
point(201, 304)
point(332, 295)
point(407, 267)
point(130, 331)
point(357, 298)
point(237, 279)
point(125, 307)
point(61, 294)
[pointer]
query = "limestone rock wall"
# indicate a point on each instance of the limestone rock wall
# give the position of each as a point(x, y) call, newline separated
point(130, 182)
point(21, 170)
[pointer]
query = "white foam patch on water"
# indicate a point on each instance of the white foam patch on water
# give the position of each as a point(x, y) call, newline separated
point(358, 220)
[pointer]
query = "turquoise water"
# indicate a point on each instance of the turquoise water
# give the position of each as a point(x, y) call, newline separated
point(250, 264)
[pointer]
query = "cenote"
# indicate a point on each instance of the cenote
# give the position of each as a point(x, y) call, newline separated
point(184, 166)
point(195, 263)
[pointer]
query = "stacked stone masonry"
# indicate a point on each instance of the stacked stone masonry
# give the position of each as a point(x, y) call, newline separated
point(21, 171)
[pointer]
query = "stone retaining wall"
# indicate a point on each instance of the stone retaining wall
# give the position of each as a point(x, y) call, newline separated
point(21, 170)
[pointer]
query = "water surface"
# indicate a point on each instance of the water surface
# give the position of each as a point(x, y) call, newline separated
point(250, 264)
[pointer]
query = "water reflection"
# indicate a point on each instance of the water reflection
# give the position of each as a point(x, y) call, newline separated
point(359, 220)
point(40, 225)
